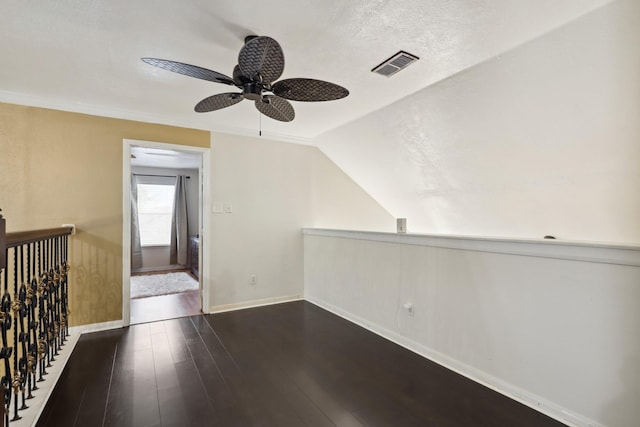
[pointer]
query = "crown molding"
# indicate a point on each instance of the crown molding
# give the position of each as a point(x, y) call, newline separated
point(95, 110)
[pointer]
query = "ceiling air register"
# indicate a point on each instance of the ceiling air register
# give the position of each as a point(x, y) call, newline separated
point(397, 62)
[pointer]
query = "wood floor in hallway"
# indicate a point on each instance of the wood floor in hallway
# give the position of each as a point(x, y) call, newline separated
point(162, 307)
point(288, 365)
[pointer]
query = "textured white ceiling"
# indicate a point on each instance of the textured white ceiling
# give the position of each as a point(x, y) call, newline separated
point(542, 140)
point(85, 55)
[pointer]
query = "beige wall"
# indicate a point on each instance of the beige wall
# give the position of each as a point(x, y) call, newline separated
point(58, 167)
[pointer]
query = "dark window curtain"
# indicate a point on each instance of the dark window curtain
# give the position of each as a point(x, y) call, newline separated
point(179, 226)
point(136, 249)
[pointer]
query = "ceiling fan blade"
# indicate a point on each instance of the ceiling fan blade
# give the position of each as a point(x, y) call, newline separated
point(276, 108)
point(239, 78)
point(261, 56)
point(309, 90)
point(217, 102)
point(190, 70)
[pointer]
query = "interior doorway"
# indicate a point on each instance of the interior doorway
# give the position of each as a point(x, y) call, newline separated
point(164, 228)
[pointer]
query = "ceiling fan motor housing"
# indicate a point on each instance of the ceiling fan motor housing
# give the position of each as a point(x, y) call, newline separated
point(252, 91)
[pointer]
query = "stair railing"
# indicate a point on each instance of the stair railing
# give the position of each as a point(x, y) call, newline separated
point(34, 311)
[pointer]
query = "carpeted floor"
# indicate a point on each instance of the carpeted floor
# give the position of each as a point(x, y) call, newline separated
point(162, 284)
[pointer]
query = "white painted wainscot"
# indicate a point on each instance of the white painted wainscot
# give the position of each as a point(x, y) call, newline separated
point(552, 324)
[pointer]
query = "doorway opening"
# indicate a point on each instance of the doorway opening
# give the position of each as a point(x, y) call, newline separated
point(163, 226)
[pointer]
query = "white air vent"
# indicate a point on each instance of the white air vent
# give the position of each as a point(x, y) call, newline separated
point(396, 63)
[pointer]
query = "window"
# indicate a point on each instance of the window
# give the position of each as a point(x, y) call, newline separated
point(155, 209)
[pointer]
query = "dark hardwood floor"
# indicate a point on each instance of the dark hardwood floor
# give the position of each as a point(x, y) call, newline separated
point(285, 365)
point(162, 307)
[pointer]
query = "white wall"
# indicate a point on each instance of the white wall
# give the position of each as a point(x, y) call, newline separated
point(553, 324)
point(155, 258)
point(337, 202)
point(542, 139)
point(274, 189)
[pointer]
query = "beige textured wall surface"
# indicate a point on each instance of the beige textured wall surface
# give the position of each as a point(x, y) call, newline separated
point(58, 167)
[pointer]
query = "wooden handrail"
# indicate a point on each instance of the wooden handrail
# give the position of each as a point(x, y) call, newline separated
point(18, 238)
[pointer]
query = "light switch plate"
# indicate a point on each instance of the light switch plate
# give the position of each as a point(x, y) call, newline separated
point(402, 225)
point(217, 208)
point(227, 207)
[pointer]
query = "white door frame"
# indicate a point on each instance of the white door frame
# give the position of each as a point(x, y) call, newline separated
point(204, 221)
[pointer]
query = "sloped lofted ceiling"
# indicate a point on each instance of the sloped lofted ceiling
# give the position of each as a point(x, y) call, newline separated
point(519, 119)
point(540, 140)
point(85, 55)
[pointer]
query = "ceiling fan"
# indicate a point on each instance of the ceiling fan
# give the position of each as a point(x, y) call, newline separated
point(260, 64)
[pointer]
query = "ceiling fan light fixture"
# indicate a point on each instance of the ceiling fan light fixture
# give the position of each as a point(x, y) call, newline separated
point(252, 91)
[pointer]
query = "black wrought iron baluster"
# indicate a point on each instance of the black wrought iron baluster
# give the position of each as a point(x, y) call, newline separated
point(64, 289)
point(43, 350)
point(50, 308)
point(56, 294)
point(23, 337)
point(6, 350)
point(47, 301)
point(55, 284)
point(27, 302)
point(32, 299)
point(23, 360)
point(60, 333)
point(30, 302)
point(37, 304)
point(15, 307)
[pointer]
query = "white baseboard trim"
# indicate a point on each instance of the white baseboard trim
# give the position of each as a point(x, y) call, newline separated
point(159, 269)
point(254, 303)
point(526, 398)
point(41, 396)
point(96, 327)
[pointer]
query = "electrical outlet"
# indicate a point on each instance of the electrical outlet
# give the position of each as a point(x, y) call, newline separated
point(254, 280)
point(409, 307)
